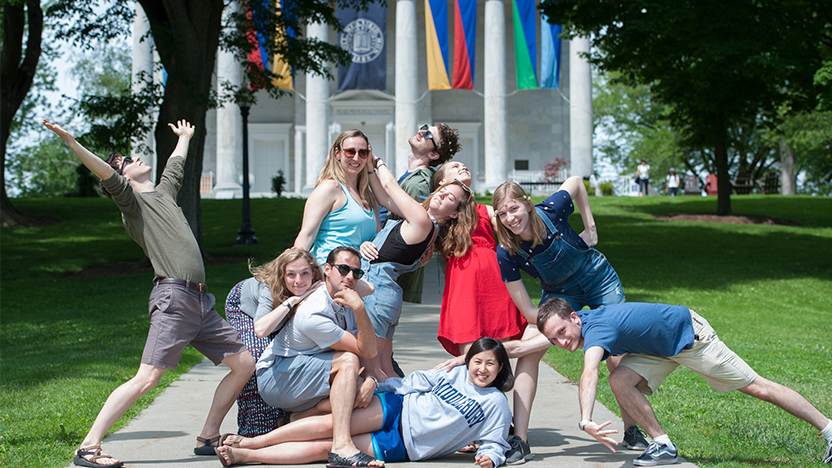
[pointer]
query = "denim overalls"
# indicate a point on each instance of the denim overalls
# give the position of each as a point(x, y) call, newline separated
point(580, 277)
point(384, 306)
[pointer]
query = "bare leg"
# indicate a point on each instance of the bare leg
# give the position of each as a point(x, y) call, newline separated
point(344, 376)
point(294, 453)
point(242, 367)
point(623, 382)
point(786, 398)
point(612, 363)
point(119, 402)
point(386, 355)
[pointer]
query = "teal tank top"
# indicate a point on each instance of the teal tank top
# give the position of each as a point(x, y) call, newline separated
point(349, 225)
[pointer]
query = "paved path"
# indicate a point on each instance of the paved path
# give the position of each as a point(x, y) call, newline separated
point(164, 434)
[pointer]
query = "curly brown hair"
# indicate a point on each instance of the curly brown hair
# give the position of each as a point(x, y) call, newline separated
point(273, 274)
point(449, 146)
point(454, 237)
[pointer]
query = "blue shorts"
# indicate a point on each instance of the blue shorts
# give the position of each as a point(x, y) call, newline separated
point(387, 441)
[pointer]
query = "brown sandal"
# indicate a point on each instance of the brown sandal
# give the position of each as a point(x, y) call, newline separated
point(225, 449)
point(97, 454)
point(208, 445)
point(227, 436)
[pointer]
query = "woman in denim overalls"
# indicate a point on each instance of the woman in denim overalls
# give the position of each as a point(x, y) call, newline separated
point(540, 241)
point(401, 246)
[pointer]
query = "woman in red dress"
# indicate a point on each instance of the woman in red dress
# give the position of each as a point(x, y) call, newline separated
point(476, 303)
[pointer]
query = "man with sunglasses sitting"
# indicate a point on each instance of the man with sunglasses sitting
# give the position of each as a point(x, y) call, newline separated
point(316, 356)
point(430, 147)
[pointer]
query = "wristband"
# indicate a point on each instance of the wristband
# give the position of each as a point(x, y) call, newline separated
point(378, 163)
point(288, 306)
point(583, 423)
point(374, 379)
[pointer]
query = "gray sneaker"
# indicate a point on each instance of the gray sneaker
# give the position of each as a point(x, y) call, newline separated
point(634, 439)
point(657, 454)
point(828, 457)
point(519, 452)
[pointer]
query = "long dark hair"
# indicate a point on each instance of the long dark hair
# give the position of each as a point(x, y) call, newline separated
point(505, 378)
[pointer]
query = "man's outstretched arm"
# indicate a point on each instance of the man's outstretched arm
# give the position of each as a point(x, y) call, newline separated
point(93, 162)
point(185, 131)
point(587, 390)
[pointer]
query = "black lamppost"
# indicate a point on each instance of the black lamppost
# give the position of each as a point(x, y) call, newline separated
point(246, 232)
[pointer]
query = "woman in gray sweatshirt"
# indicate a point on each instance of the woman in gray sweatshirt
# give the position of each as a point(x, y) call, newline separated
point(428, 414)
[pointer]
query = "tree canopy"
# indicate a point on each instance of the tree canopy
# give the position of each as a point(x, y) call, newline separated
point(716, 64)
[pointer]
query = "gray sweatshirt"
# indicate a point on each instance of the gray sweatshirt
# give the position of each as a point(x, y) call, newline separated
point(443, 412)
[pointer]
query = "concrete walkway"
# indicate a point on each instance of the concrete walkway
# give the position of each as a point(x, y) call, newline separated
point(164, 434)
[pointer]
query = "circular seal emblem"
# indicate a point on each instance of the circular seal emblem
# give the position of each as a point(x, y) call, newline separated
point(364, 40)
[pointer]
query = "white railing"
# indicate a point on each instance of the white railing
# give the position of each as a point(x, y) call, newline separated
point(536, 181)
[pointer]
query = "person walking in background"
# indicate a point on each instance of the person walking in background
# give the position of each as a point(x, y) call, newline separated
point(181, 309)
point(341, 210)
point(656, 339)
point(643, 175)
point(672, 183)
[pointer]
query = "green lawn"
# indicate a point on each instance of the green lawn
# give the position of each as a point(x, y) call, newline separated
point(65, 344)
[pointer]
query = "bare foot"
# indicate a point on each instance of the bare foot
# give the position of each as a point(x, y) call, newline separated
point(232, 440)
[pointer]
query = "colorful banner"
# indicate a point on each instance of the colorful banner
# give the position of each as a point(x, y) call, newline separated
point(436, 39)
point(525, 44)
point(465, 41)
point(550, 47)
point(364, 36)
point(258, 56)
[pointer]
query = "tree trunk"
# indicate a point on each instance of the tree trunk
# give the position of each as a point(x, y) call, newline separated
point(723, 203)
point(16, 77)
point(788, 176)
point(187, 45)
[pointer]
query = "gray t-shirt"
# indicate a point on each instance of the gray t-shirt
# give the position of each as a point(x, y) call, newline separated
point(255, 299)
point(157, 224)
point(318, 323)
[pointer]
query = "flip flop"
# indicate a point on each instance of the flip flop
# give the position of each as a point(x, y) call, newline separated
point(208, 445)
point(97, 454)
point(229, 452)
point(236, 440)
point(360, 459)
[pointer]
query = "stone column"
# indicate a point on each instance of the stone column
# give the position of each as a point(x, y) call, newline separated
point(142, 74)
point(407, 83)
point(300, 138)
point(229, 129)
point(496, 127)
point(317, 115)
point(580, 109)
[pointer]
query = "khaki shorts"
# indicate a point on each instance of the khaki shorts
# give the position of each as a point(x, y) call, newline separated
point(180, 316)
point(709, 357)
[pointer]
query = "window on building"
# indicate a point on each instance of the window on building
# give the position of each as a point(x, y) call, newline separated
point(521, 164)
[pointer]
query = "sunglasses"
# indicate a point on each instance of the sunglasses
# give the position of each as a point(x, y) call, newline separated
point(464, 187)
point(362, 153)
point(124, 161)
point(428, 135)
point(357, 273)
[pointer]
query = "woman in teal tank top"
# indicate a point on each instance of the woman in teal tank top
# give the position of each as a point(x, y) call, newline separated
point(341, 210)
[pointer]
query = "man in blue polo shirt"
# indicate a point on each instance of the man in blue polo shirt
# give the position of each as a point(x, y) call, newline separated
point(655, 339)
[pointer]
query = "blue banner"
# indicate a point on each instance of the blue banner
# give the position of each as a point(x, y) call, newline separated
point(365, 37)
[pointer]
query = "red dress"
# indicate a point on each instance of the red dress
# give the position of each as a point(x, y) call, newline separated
point(475, 302)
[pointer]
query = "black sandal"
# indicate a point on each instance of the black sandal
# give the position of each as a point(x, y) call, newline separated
point(360, 459)
point(208, 445)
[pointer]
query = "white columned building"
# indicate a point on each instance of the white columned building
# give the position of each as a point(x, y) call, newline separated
point(143, 71)
point(496, 143)
point(317, 116)
point(580, 112)
point(407, 82)
point(229, 129)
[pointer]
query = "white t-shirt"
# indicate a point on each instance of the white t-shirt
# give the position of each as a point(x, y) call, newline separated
point(672, 181)
point(644, 171)
point(317, 324)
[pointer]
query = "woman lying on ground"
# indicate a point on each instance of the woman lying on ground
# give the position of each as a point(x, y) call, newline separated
point(428, 414)
point(399, 247)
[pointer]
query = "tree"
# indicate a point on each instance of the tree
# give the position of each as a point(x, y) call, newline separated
point(17, 72)
point(716, 64)
point(187, 35)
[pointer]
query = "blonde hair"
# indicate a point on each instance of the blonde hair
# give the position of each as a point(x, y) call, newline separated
point(454, 237)
point(273, 274)
point(332, 169)
point(509, 240)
